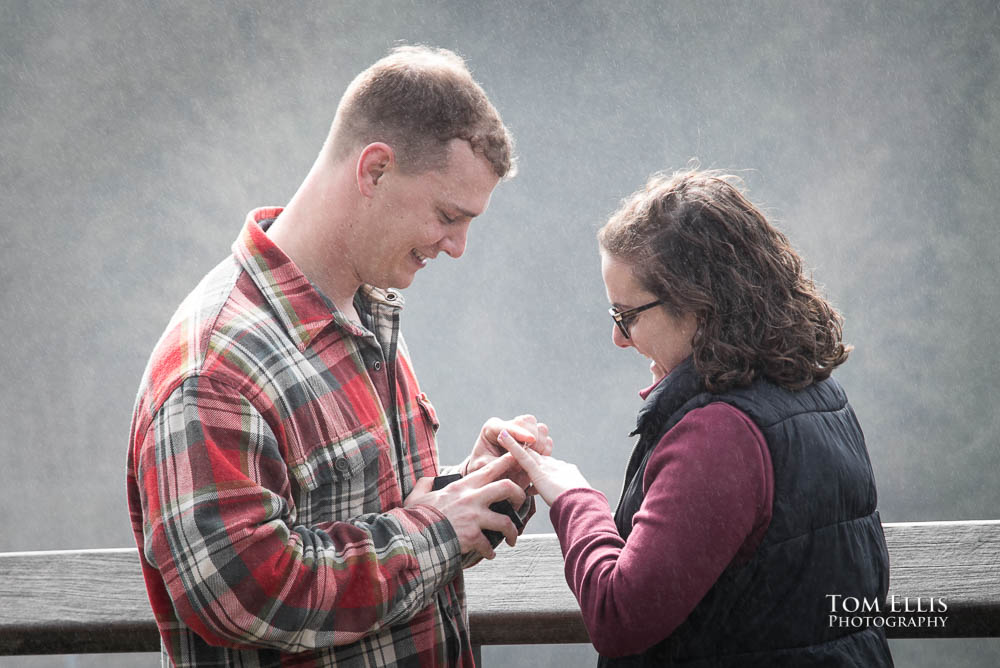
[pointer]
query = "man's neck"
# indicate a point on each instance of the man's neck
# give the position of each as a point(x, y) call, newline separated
point(313, 231)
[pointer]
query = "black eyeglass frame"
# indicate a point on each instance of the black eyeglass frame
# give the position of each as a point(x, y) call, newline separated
point(620, 318)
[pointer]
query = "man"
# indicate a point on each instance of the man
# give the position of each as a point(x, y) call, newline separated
point(282, 454)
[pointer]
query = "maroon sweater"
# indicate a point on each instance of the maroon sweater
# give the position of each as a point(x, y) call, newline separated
point(708, 496)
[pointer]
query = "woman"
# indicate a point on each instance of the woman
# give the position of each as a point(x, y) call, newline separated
point(749, 502)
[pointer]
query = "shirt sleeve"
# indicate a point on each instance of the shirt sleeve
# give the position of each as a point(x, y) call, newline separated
point(450, 469)
point(708, 495)
point(216, 526)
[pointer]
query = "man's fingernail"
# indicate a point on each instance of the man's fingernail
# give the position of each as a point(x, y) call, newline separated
point(504, 434)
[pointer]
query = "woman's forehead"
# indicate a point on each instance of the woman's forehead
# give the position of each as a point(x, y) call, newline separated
point(620, 281)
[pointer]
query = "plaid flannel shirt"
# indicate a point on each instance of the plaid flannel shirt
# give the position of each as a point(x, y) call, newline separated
point(272, 444)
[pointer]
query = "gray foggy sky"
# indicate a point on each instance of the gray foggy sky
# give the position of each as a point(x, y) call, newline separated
point(135, 136)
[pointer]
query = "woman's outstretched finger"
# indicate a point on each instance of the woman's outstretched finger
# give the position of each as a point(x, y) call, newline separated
point(526, 458)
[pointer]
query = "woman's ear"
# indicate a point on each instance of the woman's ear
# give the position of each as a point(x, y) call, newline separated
point(375, 161)
point(693, 326)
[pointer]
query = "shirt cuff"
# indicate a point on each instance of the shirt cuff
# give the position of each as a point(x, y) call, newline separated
point(526, 512)
point(452, 469)
point(577, 500)
point(435, 546)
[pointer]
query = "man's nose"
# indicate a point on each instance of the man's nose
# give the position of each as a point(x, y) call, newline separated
point(454, 242)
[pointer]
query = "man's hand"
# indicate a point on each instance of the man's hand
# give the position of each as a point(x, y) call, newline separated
point(466, 504)
point(524, 428)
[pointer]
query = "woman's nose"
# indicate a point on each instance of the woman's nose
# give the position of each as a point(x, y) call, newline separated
point(618, 338)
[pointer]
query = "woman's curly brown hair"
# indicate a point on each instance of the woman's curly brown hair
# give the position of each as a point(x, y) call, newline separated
point(697, 243)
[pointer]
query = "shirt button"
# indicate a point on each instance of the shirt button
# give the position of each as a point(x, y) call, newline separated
point(377, 366)
point(390, 296)
point(342, 465)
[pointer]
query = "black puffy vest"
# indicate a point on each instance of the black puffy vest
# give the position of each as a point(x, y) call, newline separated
point(825, 535)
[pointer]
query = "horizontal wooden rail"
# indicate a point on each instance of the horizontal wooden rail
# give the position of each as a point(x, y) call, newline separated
point(85, 601)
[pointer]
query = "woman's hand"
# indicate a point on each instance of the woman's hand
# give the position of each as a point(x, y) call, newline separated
point(550, 476)
point(525, 428)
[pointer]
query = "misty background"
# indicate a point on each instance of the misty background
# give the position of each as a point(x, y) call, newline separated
point(135, 136)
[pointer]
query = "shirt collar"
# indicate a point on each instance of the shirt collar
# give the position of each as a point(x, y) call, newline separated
point(301, 307)
point(644, 393)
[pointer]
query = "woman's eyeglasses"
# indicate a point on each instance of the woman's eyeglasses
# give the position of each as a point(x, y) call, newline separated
point(625, 319)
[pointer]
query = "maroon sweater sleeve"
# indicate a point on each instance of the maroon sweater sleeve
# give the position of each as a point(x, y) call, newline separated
point(709, 491)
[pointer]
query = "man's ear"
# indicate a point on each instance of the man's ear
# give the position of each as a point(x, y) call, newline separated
point(374, 162)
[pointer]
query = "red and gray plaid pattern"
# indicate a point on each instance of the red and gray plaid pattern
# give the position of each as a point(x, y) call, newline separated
point(268, 463)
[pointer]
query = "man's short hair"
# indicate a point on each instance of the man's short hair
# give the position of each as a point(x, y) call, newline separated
point(417, 99)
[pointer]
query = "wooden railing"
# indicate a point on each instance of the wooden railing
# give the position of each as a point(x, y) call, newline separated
point(85, 601)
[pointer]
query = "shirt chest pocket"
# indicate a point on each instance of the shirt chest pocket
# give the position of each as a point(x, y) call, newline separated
point(337, 481)
point(425, 425)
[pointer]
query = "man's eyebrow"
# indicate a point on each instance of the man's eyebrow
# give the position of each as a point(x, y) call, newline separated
point(462, 213)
